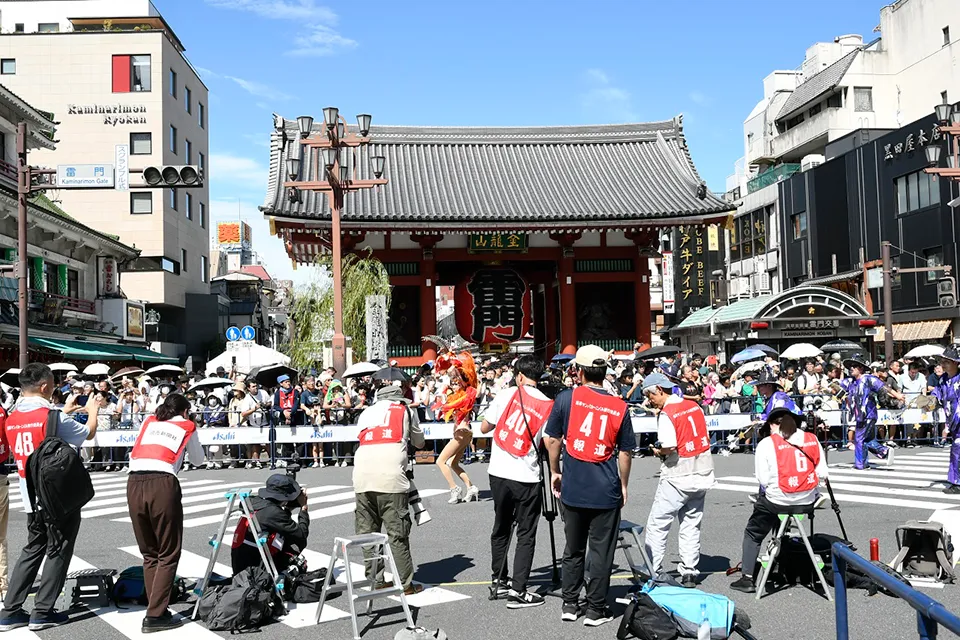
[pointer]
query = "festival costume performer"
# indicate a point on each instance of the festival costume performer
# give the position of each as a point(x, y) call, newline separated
point(457, 408)
point(862, 393)
point(948, 393)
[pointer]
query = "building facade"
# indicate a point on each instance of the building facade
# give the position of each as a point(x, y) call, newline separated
point(115, 76)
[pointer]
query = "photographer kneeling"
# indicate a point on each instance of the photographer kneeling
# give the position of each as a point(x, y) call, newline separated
point(789, 465)
point(286, 537)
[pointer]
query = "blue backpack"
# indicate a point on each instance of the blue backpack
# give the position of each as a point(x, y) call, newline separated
point(129, 587)
point(684, 605)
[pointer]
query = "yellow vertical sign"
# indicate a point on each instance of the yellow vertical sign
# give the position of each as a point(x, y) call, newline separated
point(713, 238)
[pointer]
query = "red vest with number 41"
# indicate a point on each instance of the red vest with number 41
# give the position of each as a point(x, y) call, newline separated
point(514, 434)
point(391, 431)
point(691, 427)
point(595, 419)
point(796, 472)
point(25, 432)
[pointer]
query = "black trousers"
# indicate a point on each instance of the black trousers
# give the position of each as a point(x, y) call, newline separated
point(763, 521)
point(601, 528)
point(28, 564)
point(514, 502)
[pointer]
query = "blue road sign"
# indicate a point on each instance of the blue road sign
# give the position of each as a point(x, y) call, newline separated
point(248, 333)
point(233, 334)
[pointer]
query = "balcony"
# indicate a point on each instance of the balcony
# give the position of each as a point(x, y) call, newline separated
point(772, 176)
point(40, 299)
point(812, 135)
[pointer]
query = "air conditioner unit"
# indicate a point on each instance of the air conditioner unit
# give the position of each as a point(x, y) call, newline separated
point(734, 287)
point(811, 161)
point(753, 169)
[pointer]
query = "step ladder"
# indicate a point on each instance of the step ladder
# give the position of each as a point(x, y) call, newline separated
point(381, 552)
point(795, 522)
point(629, 539)
point(238, 502)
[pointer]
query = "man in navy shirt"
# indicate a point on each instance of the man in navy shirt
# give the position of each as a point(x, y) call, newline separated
point(595, 433)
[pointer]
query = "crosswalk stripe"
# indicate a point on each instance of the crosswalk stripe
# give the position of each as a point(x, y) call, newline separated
point(885, 472)
point(852, 485)
point(120, 489)
point(190, 499)
point(847, 497)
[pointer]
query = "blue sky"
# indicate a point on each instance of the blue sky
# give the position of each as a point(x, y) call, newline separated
point(491, 62)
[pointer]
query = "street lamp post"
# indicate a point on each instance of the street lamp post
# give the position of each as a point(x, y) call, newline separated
point(329, 150)
point(949, 119)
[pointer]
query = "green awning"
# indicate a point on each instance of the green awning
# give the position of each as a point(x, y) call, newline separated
point(77, 350)
point(144, 355)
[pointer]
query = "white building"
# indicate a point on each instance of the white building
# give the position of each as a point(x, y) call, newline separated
point(809, 114)
point(113, 72)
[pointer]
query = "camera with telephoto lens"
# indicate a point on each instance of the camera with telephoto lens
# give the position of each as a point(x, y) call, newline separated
point(293, 467)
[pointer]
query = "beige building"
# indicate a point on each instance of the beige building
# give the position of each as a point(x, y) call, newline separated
point(114, 75)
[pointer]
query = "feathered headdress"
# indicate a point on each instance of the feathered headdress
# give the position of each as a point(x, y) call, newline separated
point(460, 403)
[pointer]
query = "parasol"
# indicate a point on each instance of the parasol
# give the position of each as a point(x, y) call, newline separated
point(800, 350)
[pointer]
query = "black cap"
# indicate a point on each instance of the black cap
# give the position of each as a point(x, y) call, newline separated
point(857, 360)
point(767, 376)
point(281, 487)
point(951, 353)
point(779, 411)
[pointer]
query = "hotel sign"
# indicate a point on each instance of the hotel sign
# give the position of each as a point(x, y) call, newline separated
point(113, 114)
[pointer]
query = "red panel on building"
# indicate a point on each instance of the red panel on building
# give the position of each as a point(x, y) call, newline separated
point(121, 74)
point(492, 306)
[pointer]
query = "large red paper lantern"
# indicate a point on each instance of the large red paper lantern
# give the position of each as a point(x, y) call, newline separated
point(492, 306)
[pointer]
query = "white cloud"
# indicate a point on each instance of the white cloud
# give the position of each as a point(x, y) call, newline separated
point(259, 89)
point(699, 98)
point(228, 169)
point(320, 40)
point(206, 73)
point(603, 99)
point(280, 9)
point(261, 140)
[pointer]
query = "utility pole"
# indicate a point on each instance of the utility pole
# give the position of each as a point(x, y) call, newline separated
point(887, 302)
point(23, 191)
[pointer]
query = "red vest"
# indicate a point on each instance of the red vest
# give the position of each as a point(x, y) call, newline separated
point(391, 431)
point(163, 441)
point(25, 432)
point(274, 540)
point(514, 434)
point(286, 398)
point(593, 425)
point(4, 449)
point(691, 427)
point(795, 471)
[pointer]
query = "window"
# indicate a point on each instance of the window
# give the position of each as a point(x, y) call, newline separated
point(895, 278)
point(815, 109)
point(48, 27)
point(8, 66)
point(862, 99)
point(188, 205)
point(141, 202)
point(18, 27)
point(173, 199)
point(799, 222)
point(73, 283)
point(188, 151)
point(946, 36)
point(835, 101)
point(131, 74)
point(187, 99)
point(794, 121)
point(915, 191)
point(201, 162)
point(183, 260)
point(153, 263)
point(173, 139)
point(202, 211)
point(934, 258)
point(203, 269)
point(173, 83)
point(141, 144)
point(201, 116)
point(51, 280)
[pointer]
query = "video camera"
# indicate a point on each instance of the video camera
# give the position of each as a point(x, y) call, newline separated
point(293, 467)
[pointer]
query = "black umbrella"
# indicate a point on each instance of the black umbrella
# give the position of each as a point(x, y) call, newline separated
point(658, 352)
point(267, 376)
point(841, 346)
point(391, 374)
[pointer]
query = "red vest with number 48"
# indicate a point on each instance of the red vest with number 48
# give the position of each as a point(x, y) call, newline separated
point(514, 434)
point(595, 419)
point(691, 427)
point(391, 431)
point(795, 471)
point(25, 432)
point(162, 440)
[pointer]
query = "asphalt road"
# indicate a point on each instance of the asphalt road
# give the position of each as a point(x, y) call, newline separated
point(452, 552)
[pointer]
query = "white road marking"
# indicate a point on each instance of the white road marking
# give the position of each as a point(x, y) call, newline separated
point(893, 502)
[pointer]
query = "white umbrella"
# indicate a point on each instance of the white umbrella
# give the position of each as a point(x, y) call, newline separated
point(11, 377)
point(165, 368)
point(800, 350)
point(924, 351)
point(208, 384)
point(96, 369)
point(62, 366)
point(360, 369)
point(750, 366)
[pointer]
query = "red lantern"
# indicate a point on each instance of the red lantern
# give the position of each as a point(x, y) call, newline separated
point(492, 306)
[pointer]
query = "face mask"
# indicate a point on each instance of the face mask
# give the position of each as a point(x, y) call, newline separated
point(212, 403)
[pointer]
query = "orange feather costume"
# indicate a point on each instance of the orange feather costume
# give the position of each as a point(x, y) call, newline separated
point(460, 403)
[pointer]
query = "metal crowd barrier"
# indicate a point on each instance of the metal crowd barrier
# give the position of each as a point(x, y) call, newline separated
point(930, 613)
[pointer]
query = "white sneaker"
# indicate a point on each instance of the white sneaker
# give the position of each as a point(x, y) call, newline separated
point(314, 465)
point(249, 465)
point(456, 495)
point(281, 464)
point(473, 494)
point(343, 463)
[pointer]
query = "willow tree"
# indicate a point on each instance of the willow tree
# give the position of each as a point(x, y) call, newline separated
point(312, 315)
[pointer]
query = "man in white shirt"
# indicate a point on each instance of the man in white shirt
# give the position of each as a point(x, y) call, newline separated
point(809, 381)
point(251, 410)
point(789, 466)
point(686, 472)
point(518, 416)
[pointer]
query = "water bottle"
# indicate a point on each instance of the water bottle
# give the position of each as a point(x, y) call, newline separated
point(703, 631)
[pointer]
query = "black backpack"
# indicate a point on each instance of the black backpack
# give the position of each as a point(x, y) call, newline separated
point(58, 485)
point(925, 551)
point(249, 602)
point(646, 620)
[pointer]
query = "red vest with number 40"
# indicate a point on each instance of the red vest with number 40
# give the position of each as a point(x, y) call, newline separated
point(391, 431)
point(25, 432)
point(691, 427)
point(514, 434)
point(595, 419)
point(796, 472)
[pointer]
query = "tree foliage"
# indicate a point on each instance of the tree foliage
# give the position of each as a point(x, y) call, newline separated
point(312, 312)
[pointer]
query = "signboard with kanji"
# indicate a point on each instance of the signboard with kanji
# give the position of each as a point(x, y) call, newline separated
point(694, 259)
point(492, 306)
point(497, 242)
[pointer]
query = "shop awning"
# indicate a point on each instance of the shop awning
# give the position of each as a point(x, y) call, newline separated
point(928, 330)
point(844, 276)
point(144, 355)
point(77, 350)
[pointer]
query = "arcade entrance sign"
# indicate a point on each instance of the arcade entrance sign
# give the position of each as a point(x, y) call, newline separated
point(492, 306)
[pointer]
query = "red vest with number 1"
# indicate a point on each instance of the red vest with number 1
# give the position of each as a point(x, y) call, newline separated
point(514, 434)
point(25, 432)
point(796, 471)
point(691, 427)
point(391, 431)
point(594, 422)
point(162, 440)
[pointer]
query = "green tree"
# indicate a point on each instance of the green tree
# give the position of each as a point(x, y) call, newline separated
point(313, 306)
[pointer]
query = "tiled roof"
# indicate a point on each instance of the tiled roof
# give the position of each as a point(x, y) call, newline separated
point(927, 330)
point(256, 270)
point(818, 85)
point(483, 175)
